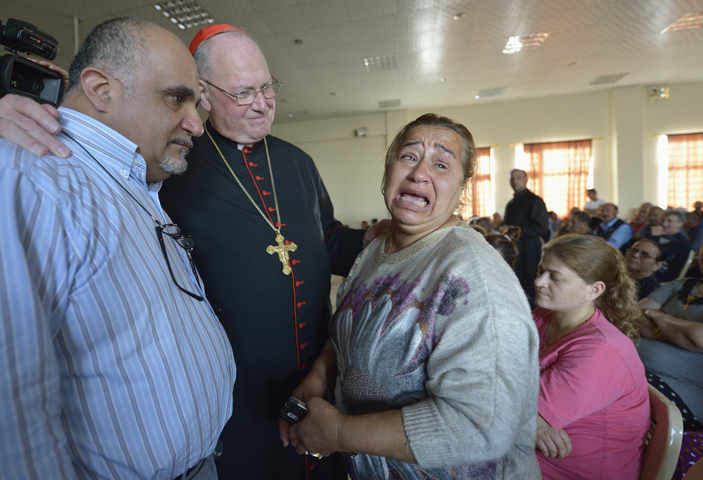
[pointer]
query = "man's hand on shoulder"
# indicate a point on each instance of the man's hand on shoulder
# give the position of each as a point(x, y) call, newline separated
point(384, 226)
point(31, 126)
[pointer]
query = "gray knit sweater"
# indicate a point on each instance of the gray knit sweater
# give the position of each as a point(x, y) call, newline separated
point(441, 330)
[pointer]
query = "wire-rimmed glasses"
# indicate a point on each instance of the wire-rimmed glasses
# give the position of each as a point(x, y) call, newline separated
point(184, 241)
point(643, 254)
point(247, 97)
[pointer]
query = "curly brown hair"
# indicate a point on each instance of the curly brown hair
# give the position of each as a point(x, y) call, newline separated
point(505, 247)
point(594, 260)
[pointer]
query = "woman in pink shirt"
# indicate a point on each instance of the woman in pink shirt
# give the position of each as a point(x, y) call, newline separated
point(593, 403)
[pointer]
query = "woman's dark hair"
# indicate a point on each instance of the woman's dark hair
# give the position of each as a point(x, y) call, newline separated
point(468, 153)
point(594, 222)
point(594, 260)
point(504, 245)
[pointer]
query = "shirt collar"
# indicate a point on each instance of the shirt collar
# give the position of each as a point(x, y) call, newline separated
point(610, 223)
point(109, 147)
point(219, 137)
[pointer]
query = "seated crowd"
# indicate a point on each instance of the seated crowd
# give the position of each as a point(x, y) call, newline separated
point(665, 329)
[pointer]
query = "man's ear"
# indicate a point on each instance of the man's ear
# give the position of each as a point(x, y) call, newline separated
point(204, 98)
point(98, 88)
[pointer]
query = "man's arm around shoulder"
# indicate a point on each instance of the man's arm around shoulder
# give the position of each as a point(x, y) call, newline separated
point(31, 126)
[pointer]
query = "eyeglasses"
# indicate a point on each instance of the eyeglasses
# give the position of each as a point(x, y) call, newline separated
point(642, 253)
point(247, 97)
point(184, 241)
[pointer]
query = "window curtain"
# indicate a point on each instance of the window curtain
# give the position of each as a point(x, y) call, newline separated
point(476, 197)
point(685, 169)
point(558, 172)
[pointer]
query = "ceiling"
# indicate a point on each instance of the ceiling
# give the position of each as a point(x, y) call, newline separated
point(440, 61)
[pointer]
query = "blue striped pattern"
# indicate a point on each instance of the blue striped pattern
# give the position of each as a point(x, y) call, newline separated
point(107, 370)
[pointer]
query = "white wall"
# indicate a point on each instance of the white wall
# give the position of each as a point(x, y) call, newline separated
point(621, 121)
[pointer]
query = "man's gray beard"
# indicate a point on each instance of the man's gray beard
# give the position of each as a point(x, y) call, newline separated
point(174, 166)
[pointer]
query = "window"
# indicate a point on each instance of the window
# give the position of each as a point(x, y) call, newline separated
point(685, 169)
point(558, 172)
point(477, 198)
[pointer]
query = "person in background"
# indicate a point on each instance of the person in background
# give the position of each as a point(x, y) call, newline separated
point(671, 347)
point(485, 223)
point(590, 424)
point(554, 222)
point(432, 345)
point(496, 221)
point(697, 208)
point(639, 220)
point(579, 222)
point(613, 229)
point(113, 364)
point(504, 243)
point(364, 225)
point(653, 227)
point(591, 206)
point(527, 211)
point(478, 228)
point(675, 244)
point(644, 258)
point(693, 227)
point(594, 222)
point(645, 206)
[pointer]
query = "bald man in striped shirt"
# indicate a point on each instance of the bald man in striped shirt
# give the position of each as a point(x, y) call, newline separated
point(112, 362)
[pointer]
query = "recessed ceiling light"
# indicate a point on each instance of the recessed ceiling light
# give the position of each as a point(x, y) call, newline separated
point(489, 92)
point(690, 21)
point(459, 16)
point(382, 62)
point(604, 79)
point(525, 42)
point(185, 13)
point(300, 114)
point(442, 79)
point(389, 103)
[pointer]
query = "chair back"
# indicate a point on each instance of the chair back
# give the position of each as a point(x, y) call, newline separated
point(663, 444)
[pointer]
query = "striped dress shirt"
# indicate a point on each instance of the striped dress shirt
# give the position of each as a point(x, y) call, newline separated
point(107, 369)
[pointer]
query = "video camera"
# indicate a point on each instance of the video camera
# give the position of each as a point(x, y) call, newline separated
point(23, 77)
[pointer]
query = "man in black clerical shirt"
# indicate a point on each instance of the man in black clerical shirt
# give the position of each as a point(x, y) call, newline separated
point(527, 211)
point(243, 189)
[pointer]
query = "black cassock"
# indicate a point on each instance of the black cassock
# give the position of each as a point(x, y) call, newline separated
point(527, 211)
point(277, 323)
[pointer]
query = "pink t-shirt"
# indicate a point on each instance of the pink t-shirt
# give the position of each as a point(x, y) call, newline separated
point(592, 384)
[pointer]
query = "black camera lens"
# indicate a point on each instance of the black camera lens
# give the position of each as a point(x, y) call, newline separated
point(26, 82)
point(23, 77)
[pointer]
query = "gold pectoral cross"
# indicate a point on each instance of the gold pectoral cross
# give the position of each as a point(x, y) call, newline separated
point(282, 250)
